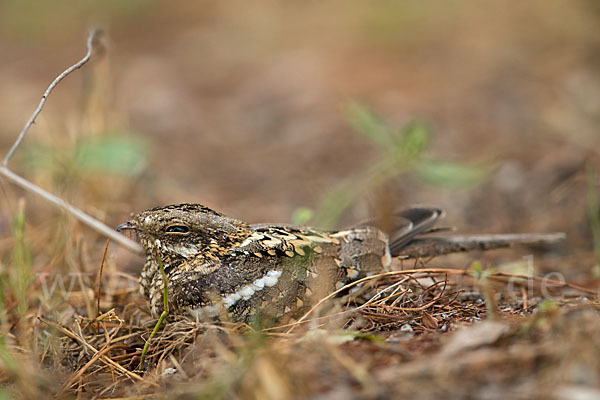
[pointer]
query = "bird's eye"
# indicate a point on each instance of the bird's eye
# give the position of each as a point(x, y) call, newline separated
point(181, 229)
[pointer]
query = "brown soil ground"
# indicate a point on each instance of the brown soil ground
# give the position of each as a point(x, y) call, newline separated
point(247, 108)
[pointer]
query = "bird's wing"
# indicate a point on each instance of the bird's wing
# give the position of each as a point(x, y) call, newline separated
point(406, 225)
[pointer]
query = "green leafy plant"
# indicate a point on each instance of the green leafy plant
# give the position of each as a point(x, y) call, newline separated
point(402, 151)
point(481, 274)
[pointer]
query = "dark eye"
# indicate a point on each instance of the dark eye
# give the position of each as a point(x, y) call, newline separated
point(178, 229)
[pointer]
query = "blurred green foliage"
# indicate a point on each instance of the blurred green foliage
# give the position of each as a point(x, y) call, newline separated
point(449, 174)
point(16, 278)
point(15, 281)
point(594, 217)
point(119, 154)
point(546, 305)
point(402, 151)
point(302, 215)
point(22, 261)
point(32, 18)
point(409, 21)
point(479, 272)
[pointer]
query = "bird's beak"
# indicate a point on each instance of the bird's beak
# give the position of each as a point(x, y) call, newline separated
point(126, 225)
point(129, 229)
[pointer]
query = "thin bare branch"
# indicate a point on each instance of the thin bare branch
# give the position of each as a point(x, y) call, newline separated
point(25, 184)
point(77, 213)
point(90, 41)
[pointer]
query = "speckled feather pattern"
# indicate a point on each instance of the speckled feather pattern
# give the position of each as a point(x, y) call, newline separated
point(217, 265)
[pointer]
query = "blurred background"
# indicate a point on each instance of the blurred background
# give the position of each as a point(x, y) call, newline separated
point(322, 113)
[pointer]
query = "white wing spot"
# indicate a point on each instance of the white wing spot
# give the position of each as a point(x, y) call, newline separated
point(272, 278)
point(246, 292)
point(231, 299)
point(269, 280)
point(259, 284)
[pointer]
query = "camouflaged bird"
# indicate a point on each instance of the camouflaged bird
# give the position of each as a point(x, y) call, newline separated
point(216, 264)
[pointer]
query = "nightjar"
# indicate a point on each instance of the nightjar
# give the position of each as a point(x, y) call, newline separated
point(217, 265)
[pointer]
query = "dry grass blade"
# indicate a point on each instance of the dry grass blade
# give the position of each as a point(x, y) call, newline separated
point(95, 358)
point(414, 274)
point(94, 350)
point(369, 278)
point(99, 279)
point(414, 303)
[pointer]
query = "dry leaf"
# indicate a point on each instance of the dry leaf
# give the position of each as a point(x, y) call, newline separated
point(474, 336)
point(428, 320)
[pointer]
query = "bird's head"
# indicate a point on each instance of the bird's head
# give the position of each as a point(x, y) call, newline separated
point(184, 232)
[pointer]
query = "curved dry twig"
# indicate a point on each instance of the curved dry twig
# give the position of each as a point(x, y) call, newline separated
point(25, 184)
point(90, 42)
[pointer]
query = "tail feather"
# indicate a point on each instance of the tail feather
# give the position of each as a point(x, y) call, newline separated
point(419, 221)
point(407, 224)
point(409, 236)
point(431, 246)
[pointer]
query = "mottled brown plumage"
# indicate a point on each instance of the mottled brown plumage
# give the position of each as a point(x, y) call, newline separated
point(217, 265)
